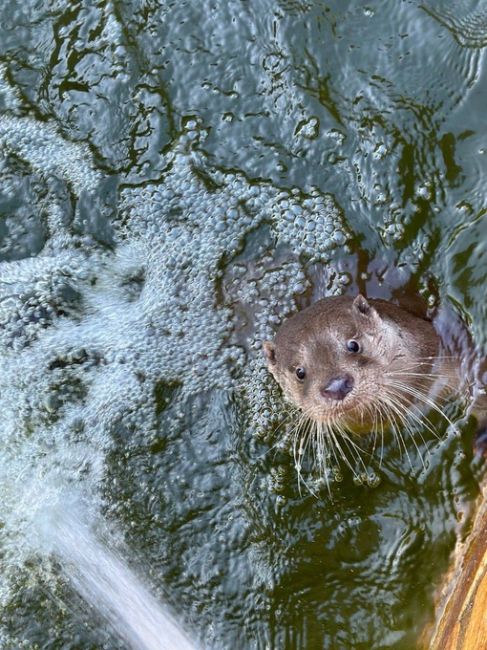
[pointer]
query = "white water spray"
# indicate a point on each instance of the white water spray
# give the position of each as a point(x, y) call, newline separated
point(103, 578)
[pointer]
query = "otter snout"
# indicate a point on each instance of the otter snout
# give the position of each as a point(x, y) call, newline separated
point(338, 387)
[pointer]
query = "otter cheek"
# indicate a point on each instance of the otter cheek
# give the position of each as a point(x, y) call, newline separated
point(284, 384)
point(275, 373)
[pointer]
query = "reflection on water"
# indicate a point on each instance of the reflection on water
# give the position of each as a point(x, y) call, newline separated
point(175, 180)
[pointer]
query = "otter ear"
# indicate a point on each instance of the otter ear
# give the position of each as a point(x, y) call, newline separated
point(270, 352)
point(365, 316)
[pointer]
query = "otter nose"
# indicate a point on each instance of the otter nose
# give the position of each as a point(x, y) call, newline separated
point(338, 387)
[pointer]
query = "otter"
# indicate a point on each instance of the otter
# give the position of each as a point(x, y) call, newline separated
point(353, 365)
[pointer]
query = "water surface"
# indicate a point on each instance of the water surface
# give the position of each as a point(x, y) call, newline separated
point(176, 178)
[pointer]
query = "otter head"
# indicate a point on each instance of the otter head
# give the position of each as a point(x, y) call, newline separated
point(338, 358)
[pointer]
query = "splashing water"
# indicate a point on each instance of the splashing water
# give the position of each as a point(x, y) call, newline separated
point(106, 582)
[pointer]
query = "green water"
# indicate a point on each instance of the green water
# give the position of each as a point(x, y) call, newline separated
point(375, 110)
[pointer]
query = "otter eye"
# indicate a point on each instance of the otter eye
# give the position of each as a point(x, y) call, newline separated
point(300, 373)
point(353, 346)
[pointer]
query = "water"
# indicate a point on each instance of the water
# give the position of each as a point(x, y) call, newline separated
point(176, 178)
point(108, 585)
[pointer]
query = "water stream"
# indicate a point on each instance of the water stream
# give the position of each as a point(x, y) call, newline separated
point(112, 589)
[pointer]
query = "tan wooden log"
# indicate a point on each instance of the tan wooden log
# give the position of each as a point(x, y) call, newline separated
point(461, 622)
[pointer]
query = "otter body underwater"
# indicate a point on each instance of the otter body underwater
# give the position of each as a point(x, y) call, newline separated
point(353, 365)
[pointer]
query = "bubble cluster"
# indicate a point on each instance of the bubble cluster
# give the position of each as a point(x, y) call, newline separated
point(36, 294)
point(47, 152)
point(310, 224)
point(9, 96)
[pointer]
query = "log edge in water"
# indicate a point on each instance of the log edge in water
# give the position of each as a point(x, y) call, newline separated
point(461, 622)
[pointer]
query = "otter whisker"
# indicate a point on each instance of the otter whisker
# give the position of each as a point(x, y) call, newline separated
point(417, 390)
point(347, 438)
point(298, 432)
point(341, 452)
point(423, 370)
point(295, 432)
point(421, 419)
point(374, 414)
point(329, 433)
point(286, 420)
point(437, 357)
point(379, 418)
point(401, 409)
point(321, 444)
point(439, 398)
point(398, 419)
point(381, 437)
point(403, 412)
point(392, 418)
point(274, 447)
point(288, 417)
point(351, 446)
point(419, 380)
point(305, 440)
point(306, 431)
point(305, 424)
point(376, 418)
point(425, 399)
point(405, 371)
point(324, 453)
